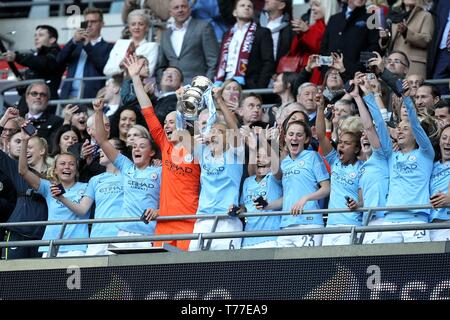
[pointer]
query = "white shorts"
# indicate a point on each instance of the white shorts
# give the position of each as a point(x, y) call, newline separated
point(100, 249)
point(337, 239)
point(72, 253)
point(265, 244)
point(371, 237)
point(403, 236)
point(223, 225)
point(123, 233)
point(305, 240)
point(440, 235)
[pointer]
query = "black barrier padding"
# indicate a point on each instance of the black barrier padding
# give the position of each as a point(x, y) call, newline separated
point(424, 277)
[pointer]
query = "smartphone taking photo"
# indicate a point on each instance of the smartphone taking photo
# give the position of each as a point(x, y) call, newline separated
point(325, 61)
point(30, 129)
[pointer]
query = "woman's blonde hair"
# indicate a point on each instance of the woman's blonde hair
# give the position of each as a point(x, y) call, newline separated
point(51, 172)
point(44, 146)
point(329, 7)
point(351, 124)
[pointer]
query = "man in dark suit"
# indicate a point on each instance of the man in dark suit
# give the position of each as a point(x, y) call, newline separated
point(254, 67)
point(347, 33)
point(85, 55)
point(41, 63)
point(438, 62)
point(277, 17)
point(188, 44)
point(37, 96)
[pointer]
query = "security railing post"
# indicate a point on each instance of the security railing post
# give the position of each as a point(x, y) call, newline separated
point(55, 250)
point(353, 236)
point(213, 229)
point(365, 223)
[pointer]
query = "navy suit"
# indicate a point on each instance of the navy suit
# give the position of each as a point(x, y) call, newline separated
point(261, 64)
point(97, 56)
point(349, 37)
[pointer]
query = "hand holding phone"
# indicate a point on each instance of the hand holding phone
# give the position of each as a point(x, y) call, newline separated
point(234, 211)
point(260, 201)
point(349, 87)
point(29, 129)
point(144, 217)
point(61, 189)
point(326, 61)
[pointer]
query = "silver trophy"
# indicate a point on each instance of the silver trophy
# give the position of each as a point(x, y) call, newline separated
point(191, 100)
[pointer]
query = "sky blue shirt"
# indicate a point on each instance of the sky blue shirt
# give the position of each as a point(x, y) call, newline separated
point(301, 176)
point(374, 181)
point(439, 182)
point(344, 182)
point(374, 173)
point(58, 211)
point(106, 189)
point(220, 180)
point(409, 173)
point(141, 191)
point(270, 189)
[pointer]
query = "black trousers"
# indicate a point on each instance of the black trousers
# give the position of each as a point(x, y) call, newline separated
point(18, 252)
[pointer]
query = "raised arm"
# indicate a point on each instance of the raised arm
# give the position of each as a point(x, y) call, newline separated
point(375, 105)
point(324, 143)
point(419, 133)
point(32, 179)
point(361, 82)
point(134, 66)
point(79, 208)
point(100, 134)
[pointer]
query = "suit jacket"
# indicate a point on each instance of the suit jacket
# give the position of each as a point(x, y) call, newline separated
point(97, 56)
point(46, 125)
point(420, 32)
point(440, 12)
point(261, 65)
point(349, 37)
point(198, 54)
point(43, 65)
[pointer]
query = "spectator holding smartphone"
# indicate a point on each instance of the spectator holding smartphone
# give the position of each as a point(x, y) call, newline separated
point(85, 55)
point(106, 190)
point(30, 206)
point(64, 172)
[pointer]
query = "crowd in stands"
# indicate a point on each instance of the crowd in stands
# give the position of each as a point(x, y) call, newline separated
point(351, 123)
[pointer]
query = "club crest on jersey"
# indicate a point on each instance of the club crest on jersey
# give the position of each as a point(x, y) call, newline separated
point(301, 163)
point(412, 158)
point(352, 175)
point(188, 158)
point(263, 183)
point(153, 176)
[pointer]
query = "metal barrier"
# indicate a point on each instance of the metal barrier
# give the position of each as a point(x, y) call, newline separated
point(263, 91)
point(353, 230)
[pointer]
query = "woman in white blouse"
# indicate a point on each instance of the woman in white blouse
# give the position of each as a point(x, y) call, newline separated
point(138, 24)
